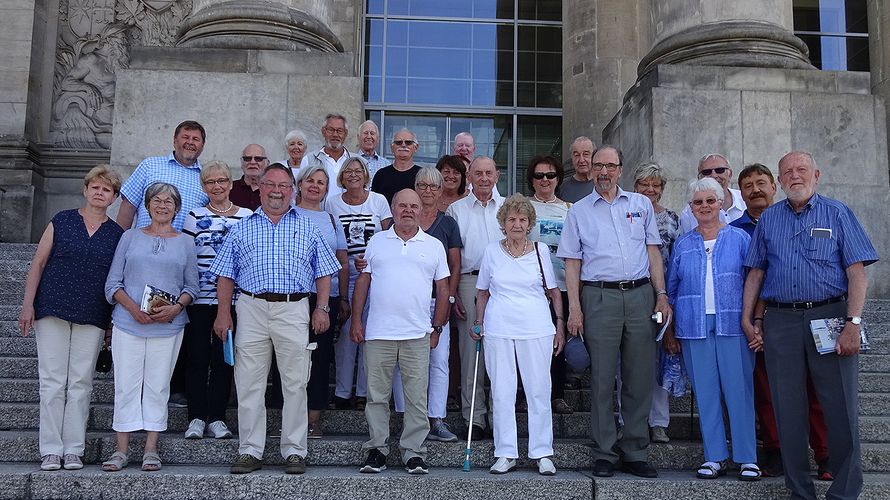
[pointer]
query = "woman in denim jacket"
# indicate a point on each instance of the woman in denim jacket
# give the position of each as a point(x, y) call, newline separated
point(705, 284)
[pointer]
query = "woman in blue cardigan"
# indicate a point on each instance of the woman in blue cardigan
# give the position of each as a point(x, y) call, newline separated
point(705, 285)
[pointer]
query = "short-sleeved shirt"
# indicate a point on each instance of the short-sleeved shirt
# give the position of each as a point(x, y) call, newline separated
point(388, 181)
point(359, 222)
point(331, 166)
point(445, 229)
point(805, 256)
point(548, 229)
point(333, 236)
point(209, 231)
point(518, 307)
point(187, 180)
point(401, 272)
point(244, 196)
point(572, 190)
point(478, 227)
point(72, 286)
point(610, 239)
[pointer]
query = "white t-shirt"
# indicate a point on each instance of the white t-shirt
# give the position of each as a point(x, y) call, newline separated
point(548, 230)
point(401, 273)
point(710, 306)
point(517, 308)
point(360, 222)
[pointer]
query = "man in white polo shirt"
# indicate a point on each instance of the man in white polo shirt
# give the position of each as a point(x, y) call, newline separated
point(401, 263)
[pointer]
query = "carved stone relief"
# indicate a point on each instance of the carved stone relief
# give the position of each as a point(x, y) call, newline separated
point(93, 43)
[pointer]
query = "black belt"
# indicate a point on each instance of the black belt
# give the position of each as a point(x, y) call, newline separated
point(617, 285)
point(804, 305)
point(474, 273)
point(277, 297)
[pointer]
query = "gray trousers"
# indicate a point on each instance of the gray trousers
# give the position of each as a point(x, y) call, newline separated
point(618, 323)
point(790, 352)
point(467, 349)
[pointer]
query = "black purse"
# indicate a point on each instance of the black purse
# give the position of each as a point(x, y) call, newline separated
point(103, 362)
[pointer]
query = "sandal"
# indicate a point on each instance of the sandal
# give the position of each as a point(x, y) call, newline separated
point(711, 470)
point(151, 461)
point(117, 461)
point(750, 472)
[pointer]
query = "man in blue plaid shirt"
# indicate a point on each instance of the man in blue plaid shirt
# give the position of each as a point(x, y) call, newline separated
point(275, 257)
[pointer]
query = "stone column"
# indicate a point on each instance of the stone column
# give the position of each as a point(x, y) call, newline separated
point(294, 25)
point(879, 50)
point(753, 33)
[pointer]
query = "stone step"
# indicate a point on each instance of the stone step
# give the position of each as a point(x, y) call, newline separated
point(22, 446)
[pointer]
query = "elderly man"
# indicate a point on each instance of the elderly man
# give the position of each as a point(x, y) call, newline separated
point(716, 166)
point(807, 262)
point(476, 216)
point(181, 168)
point(615, 280)
point(758, 188)
point(246, 190)
point(368, 140)
point(465, 147)
point(333, 155)
point(579, 184)
point(400, 175)
point(273, 256)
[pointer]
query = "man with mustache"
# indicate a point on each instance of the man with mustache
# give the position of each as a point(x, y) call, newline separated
point(368, 140)
point(402, 262)
point(716, 166)
point(807, 262)
point(275, 257)
point(333, 155)
point(400, 175)
point(580, 184)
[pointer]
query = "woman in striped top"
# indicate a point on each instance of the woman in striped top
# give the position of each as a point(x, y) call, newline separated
point(209, 226)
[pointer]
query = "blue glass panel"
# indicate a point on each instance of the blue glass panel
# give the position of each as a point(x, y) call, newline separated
point(478, 9)
point(374, 27)
point(429, 34)
point(483, 93)
point(423, 91)
point(396, 61)
point(374, 61)
point(484, 64)
point(373, 88)
point(397, 33)
point(395, 90)
point(439, 63)
point(375, 6)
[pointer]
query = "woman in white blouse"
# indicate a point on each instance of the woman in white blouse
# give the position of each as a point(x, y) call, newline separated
point(515, 281)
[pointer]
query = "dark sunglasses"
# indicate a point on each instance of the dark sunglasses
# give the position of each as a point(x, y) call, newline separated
point(408, 142)
point(257, 159)
point(708, 171)
point(541, 175)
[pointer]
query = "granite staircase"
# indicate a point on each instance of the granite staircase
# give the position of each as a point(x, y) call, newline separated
point(199, 468)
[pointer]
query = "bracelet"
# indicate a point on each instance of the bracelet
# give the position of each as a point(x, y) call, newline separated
point(181, 305)
point(661, 292)
point(757, 318)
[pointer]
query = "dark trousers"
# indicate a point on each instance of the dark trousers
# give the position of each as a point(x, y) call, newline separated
point(558, 363)
point(790, 354)
point(318, 389)
point(207, 396)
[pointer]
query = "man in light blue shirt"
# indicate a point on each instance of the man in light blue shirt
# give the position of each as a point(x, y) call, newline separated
point(368, 140)
point(615, 280)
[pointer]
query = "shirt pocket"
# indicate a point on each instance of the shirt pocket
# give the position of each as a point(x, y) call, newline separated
point(823, 249)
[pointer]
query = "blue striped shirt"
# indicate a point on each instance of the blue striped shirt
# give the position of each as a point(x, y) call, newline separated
point(165, 169)
point(375, 163)
point(800, 265)
point(278, 258)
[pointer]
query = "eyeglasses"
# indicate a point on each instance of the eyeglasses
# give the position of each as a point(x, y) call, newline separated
point(541, 175)
point(338, 131)
point(407, 142)
point(707, 201)
point(217, 182)
point(162, 202)
point(708, 171)
point(353, 172)
point(424, 186)
point(257, 159)
point(611, 167)
point(281, 187)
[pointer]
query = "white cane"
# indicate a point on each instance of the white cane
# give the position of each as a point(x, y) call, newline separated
point(477, 330)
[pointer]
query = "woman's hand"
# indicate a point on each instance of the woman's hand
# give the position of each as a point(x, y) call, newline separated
point(559, 340)
point(26, 319)
point(473, 329)
point(165, 314)
point(754, 335)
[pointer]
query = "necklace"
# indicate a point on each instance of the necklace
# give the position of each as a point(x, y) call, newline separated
point(521, 253)
point(210, 205)
point(551, 200)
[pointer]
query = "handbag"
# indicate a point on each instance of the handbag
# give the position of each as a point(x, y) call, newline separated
point(104, 361)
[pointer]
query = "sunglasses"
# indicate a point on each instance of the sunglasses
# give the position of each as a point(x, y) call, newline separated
point(257, 159)
point(708, 171)
point(708, 201)
point(541, 175)
point(407, 142)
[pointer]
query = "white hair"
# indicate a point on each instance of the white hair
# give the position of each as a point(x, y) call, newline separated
point(705, 184)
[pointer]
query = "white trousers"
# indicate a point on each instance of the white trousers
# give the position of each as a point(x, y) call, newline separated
point(66, 359)
point(533, 358)
point(142, 370)
point(262, 327)
point(346, 352)
point(437, 395)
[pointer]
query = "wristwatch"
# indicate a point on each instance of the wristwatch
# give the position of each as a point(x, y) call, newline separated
point(437, 329)
point(856, 320)
point(451, 299)
point(326, 309)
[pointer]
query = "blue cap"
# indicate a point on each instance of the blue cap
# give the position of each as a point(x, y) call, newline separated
point(577, 356)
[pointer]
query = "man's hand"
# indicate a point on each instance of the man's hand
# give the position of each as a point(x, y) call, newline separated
point(848, 341)
point(357, 330)
point(345, 311)
point(360, 262)
point(559, 340)
point(662, 305)
point(320, 321)
point(458, 309)
point(434, 339)
point(222, 325)
point(575, 324)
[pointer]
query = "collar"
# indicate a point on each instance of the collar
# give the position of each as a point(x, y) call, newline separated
point(747, 219)
point(597, 196)
point(810, 203)
point(475, 201)
point(346, 154)
point(419, 236)
point(737, 201)
point(373, 155)
point(172, 159)
point(259, 212)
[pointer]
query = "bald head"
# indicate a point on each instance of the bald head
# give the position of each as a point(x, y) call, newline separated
point(405, 209)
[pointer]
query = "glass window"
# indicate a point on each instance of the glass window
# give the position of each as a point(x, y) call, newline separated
point(835, 31)
point(540, 10)
point(535, 135)
point(473, 9)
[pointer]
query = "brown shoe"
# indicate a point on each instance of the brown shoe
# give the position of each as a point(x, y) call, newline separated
point(295, 464)
point(560, 407)
point(360, 403)
point(246, 464)
point(315, 431)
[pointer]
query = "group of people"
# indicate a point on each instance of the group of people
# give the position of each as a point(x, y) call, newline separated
point(343, 257)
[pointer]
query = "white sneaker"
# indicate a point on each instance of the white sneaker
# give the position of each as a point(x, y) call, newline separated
point(546, 467)
point(51, 462)
point(503, 465)
point(196, 429)
point(219, 430)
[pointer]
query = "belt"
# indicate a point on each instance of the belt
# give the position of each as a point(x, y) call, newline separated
point(277, 297)
point(474, 273)
point(617, 285)
point(804, 305)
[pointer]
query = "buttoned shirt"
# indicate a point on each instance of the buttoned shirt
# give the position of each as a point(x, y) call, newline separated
point(805, 255)
point(610, 238)
point(478, 226)
point(287, 257)
point(375, 163)
point(688, 222)
point(187, 180)
point(330, 165)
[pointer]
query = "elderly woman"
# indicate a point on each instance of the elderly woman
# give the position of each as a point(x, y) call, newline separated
point(146, 336)
point(544, 175)
point(312, 185)
point(454, 180)
point(705, 281)
point(295, 145)
point(208, 225)
point(434, 222)
point(515, 279)
point(361, 214)
point(65, 304)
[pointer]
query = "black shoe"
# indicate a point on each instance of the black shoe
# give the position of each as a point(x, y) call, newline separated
point(375, 463)
point(416, 465)
point(295, 464)
point(773, 465)
point(639, 469)
point(478, 433)
point(603, 468)
point(339, 403)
